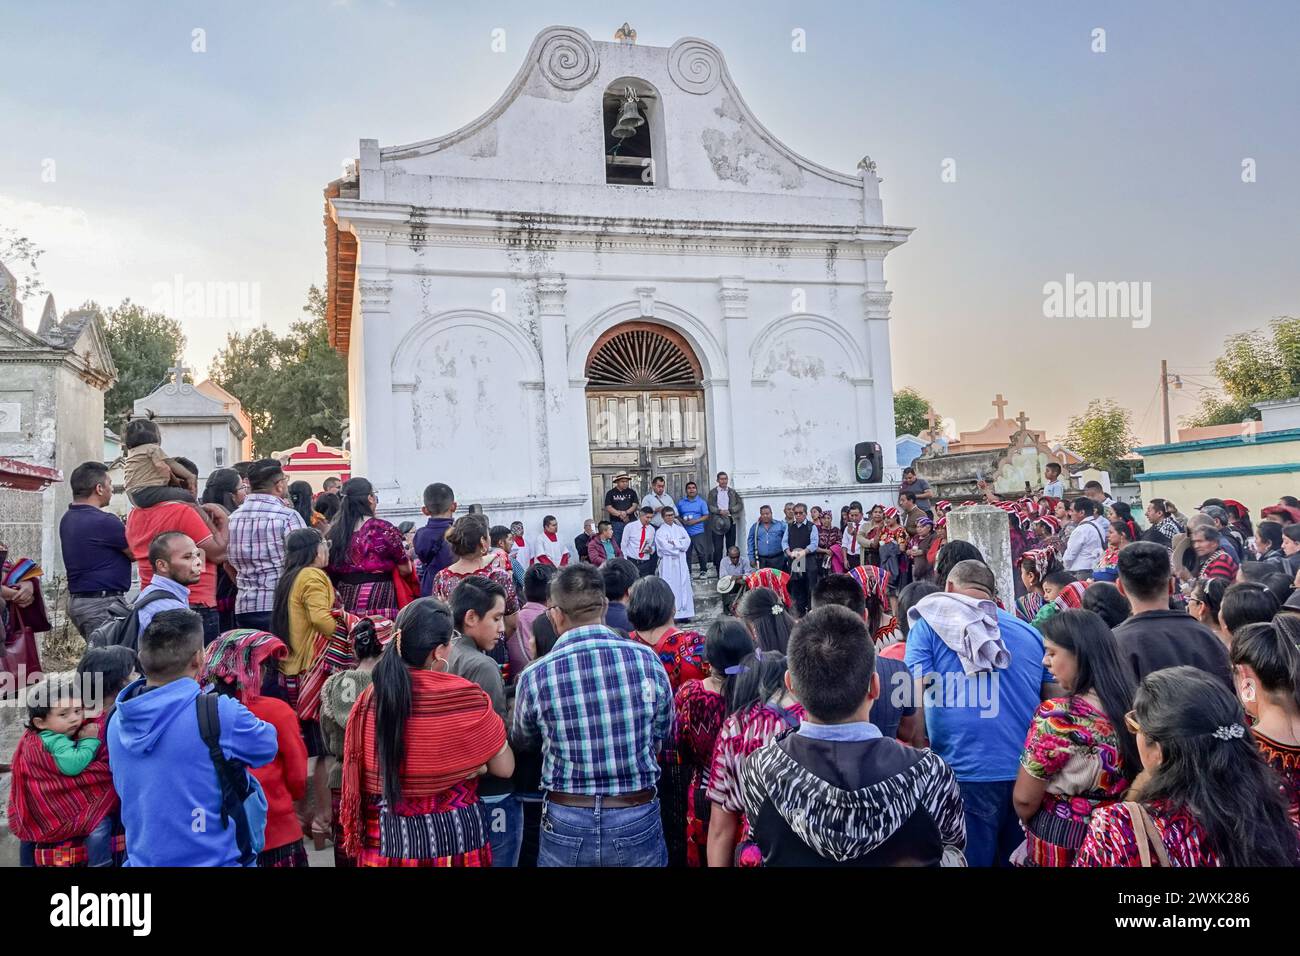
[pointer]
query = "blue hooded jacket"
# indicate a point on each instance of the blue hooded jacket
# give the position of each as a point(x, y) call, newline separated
point(171, 801)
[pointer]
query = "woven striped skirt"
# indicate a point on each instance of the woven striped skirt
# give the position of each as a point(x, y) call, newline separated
point(452, 833)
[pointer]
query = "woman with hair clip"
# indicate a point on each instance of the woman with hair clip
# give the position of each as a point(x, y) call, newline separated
point(300, 497)
point(1205, 602)
point(304, 612)
point(367, 639)
point(760, 706)
point(1078, 754)
point(1035, 565)
point(768, 621)
point(701, 707)
point(1204, 797)
point(1266, 665)
point(367, 553)
point(226, 488)
point(416, 742)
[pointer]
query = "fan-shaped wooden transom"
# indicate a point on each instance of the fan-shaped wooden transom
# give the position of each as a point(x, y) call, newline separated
point(642, 358)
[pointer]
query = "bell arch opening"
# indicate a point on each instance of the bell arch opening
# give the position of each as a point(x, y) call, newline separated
point(632, 121)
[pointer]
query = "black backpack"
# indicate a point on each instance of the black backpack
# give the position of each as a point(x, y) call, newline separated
point(242, 798)
point(123, 625)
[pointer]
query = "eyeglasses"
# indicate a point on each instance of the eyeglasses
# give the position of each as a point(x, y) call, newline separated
point(1130, 721)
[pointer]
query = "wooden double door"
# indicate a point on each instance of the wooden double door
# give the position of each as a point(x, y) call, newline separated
point(646, 433)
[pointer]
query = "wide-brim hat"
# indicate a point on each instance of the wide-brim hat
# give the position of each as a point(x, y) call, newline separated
point(729, 583)
point(623, 476)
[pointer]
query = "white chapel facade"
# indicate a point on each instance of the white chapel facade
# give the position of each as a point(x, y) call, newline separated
point(616, 268)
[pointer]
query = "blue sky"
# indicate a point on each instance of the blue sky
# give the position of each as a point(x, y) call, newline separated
point(1122, 165)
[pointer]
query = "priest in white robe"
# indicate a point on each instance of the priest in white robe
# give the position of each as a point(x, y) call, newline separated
point(673, 541)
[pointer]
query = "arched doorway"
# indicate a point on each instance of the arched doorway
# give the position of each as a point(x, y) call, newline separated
point(645, 410)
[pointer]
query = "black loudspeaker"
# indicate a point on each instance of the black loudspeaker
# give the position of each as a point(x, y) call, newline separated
point(868, 467)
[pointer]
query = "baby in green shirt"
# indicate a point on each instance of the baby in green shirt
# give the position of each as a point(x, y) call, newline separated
point(71, 740)
point(61, 796)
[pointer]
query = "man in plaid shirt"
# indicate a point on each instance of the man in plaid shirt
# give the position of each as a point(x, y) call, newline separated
point(256, 550)
point(599, 706)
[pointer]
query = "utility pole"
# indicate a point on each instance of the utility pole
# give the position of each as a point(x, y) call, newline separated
point(1164, 395)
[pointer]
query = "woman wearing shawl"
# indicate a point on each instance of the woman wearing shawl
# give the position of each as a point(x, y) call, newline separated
point(923, 548)
point(547, 548)
point(368, 638)
point(308, 613)
point(892, 539)
point(869, 533)
point(417, 740)
point(22, 612)
point(63, 818)
point(834, 560)
point(1035, 566)
point(368, 555)
point(238, 663)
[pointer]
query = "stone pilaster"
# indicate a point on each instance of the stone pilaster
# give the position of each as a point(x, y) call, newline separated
point(562, 426)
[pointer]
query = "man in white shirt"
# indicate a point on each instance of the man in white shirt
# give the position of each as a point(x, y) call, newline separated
point(657, 500)
point(1088, 539)
point(639, 542)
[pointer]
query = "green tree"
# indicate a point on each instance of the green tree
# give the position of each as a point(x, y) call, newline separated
point(144, 345)
point(1255, 366)
point(910, 412)
point(1103, 434)
point(1217, 410)
point(291, 386)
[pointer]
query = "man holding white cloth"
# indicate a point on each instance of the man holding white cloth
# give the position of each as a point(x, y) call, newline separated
point(979, 678)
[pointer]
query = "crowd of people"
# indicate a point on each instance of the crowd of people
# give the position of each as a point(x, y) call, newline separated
point(462, 694)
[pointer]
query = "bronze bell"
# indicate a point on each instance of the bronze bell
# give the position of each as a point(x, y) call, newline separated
point(629, 118)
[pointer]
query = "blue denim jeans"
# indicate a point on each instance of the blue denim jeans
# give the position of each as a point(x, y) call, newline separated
point(580, 836)
point(505, 824)
point(992, 827)
point(99, 844)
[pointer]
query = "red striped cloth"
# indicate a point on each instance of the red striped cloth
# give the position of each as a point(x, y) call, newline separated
point(46, 806)
point(778, 581)
point(450, 732)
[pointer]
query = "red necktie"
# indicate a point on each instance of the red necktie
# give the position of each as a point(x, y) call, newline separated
point(641, 552)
